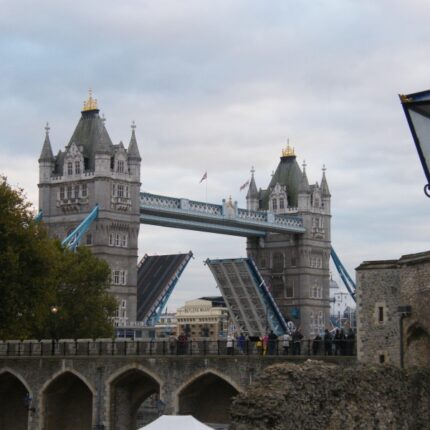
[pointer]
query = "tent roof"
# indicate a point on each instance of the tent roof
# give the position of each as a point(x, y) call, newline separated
point(176, 422)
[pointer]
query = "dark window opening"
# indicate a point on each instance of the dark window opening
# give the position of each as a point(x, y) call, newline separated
point(380, 314)
point(381, 359)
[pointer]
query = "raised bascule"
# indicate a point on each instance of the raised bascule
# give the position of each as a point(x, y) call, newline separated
point(287, 227)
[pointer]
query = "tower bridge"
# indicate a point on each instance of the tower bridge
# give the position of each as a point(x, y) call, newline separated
point(287, 225)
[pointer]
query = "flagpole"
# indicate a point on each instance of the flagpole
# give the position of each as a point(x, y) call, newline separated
point(206, 195)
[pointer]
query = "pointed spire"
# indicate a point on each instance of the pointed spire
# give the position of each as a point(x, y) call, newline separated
point(46, 154)
point(252, 190)
point(304, 183)
point(324, 186)
point(133, 150)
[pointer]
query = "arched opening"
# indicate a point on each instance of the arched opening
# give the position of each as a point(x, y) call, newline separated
point(68, 404)
point(134, 400)
point(15, 403)
point(208, 399)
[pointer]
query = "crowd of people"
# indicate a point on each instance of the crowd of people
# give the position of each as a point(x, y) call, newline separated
point(340, 342)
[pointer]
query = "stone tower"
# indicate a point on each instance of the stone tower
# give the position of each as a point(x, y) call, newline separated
point(92, 170)
point(295, 266)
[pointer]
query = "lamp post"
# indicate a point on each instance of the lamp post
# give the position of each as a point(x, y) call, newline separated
point(54, 311)
point(417, 110)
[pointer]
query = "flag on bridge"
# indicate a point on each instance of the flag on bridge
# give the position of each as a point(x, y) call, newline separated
point(205, 176)
point(244, 185)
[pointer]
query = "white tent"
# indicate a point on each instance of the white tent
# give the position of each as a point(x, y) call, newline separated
point(176, 422)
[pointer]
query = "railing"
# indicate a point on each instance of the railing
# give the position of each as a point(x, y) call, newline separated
point(125, 347)
point(160, 201)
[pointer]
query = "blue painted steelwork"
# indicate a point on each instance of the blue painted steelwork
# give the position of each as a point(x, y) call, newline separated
point(158, 307)
point(39, 216)
point(73, 239)
point(275, 318)
point(349, 283)
point(223, 219)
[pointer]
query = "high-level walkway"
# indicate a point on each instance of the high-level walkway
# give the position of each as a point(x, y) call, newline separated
point(223, 219)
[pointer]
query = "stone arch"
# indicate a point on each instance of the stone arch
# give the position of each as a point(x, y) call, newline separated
point(127, 389)
point(66, 402)
point(15, 400)
point(207, 396)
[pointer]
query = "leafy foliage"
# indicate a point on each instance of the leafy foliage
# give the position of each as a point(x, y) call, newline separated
point(37, 276)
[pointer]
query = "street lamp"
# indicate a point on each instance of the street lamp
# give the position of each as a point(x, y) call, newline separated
point(417, 111)
point(54, 310)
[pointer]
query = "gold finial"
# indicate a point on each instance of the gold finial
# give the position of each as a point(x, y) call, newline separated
point(288, 151)
point(90, 104)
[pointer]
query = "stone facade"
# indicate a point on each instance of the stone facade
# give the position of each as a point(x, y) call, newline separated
point(383, 286)
point(321, 396)
point(296, 266)
point(78, 393)
point(91, 170)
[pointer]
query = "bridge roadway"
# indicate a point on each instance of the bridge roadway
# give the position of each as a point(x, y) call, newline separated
point(223, 219)
point(100, 384)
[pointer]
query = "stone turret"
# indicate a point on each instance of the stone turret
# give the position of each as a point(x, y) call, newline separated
point(252, 195)
point(133, 154)
point(325, 192)
point(46, 159)
point(304, 194)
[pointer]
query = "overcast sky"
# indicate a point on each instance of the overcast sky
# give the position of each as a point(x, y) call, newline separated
point(219, 87)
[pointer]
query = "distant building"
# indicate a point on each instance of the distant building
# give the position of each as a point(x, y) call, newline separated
point(166, 326)
point(203, 318)
point(338, 299)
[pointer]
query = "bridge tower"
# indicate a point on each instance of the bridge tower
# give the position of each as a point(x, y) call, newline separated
point(295, 266)
point(92, 170)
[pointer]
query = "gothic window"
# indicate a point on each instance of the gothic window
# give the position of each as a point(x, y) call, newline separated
point(124, 241)
point(89, 239)
point(76, 191)
point(117, 240)
point(281, 203)
point(120, 166)
point(70, 168)
point(61, 193)
point(126, 191)
point(69, 192)
point(289, 290)
point(122, 276)
point(317, 202)
point(120, 190)
point(84, 190)
point(113, 190)
point(77, 167)
point(278, 262)
point(111, 239)
point(274, 204)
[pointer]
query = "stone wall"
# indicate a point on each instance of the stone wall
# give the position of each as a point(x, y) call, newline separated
point(322, 396)
point(383, 286)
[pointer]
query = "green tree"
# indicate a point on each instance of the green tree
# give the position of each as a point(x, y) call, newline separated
point(37, 275)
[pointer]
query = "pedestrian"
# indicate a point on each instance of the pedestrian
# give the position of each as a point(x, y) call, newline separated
point(230, 344)
point(337, 342)
point(241, 343)
point(272, 338)
point(297, 339)
point(265, 342)
point(327, 342)
point(259, 346)
point(286, 339)
point(316, 344)
point(350, 338)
